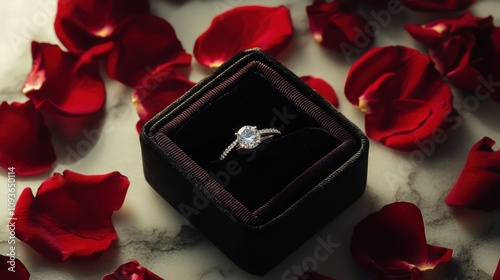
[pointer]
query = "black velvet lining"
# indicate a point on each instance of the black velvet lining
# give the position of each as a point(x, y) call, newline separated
point(265, 181)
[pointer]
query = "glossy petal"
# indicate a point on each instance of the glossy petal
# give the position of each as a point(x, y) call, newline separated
point(332, 24)
point(392, 244)
point(60, 84)
point(403, 96)
point(144, 43)
point(438, 5)
point(12, 269)
point(465, 50)
point(83, 24)
point(26, 141)
point(323, 88)
point(132, 270)
point(160, 90)
point(478, 186)
point(70, 216)
point(241, 28)
point(496, 276)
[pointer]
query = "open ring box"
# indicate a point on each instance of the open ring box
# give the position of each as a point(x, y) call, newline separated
point(259, 205)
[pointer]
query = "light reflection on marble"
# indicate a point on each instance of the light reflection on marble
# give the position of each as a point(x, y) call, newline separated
point(152, 232)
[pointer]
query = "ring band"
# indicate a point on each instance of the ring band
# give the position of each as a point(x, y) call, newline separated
point(249, 137)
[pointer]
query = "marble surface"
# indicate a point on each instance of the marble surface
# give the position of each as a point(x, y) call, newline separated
point(152, 232)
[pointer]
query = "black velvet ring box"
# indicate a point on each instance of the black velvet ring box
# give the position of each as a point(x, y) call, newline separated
point(256, 205)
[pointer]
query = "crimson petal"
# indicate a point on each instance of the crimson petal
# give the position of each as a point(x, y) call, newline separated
point(464, 49)
point(144, 43)
point(132, 270)
point(241, 28)
point(13, 269)
point(333, 25)
point(70, 217)
point(83, 24)
point(59, 83)
point(402, 94)
point(163, 88)
point(26, 141)
point(442, 5)
point(323, 88)
point(478, 186)
point(392, 243)
point(496, 276)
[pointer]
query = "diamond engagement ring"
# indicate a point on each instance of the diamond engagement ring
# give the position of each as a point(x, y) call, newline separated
point(249, 137)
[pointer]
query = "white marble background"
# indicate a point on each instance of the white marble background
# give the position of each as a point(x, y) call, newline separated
point(152, 232)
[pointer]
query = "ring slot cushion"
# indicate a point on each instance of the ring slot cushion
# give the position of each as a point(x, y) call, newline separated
point(259, 205)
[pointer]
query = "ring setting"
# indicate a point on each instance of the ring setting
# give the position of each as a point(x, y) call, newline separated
point(249, 137)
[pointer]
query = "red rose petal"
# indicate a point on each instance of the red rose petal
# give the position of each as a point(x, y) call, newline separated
point(70, 217)
point(12, 269)
point(478, 186)
point(241, 28)
point(163, 88)
point(132, 270)
point(433, 5)
point(496, 276)
point(392, 243)
point(323, 88)
point(59, 83)
point(332, 24)
point(26, 143)
point(144, 43)
point(464, 49)
point(403, 96)
point(83, 24)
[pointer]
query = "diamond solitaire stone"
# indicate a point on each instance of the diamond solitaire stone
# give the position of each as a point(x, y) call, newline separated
point(248, 137)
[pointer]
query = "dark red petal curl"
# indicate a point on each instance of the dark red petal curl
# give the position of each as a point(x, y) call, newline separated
point(478, 186)
point(323, 88)
point(241, 28)
point(26, 141)
point(332, 24)
point(155, 94)
point(132, 270)
point(144, 43)
point(12, 268)
point(83, 24)
point(58, 83)
point(70, 217)
point(392, 243)
point(402, 95)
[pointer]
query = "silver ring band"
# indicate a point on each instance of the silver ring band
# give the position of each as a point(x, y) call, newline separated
point(249, 137)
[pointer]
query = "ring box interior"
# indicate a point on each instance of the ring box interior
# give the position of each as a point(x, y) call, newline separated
point(258, 205)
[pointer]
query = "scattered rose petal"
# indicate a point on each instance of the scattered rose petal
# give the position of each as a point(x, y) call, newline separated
point(13, 269)
point(392, 244)
point(144, 43)
point(163, 88)
point(403, 97)
point(132, 270)
point(241, 28)
point(496, 276)
point(70, 217)
point(465, 50)
point(83, 24)
point(323, 88)
point(333, 25)
point(59, 83)
point(26, 144)
point(478, 186)
point(442, 5)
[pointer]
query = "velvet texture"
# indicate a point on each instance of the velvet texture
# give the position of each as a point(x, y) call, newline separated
point(256, 205)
